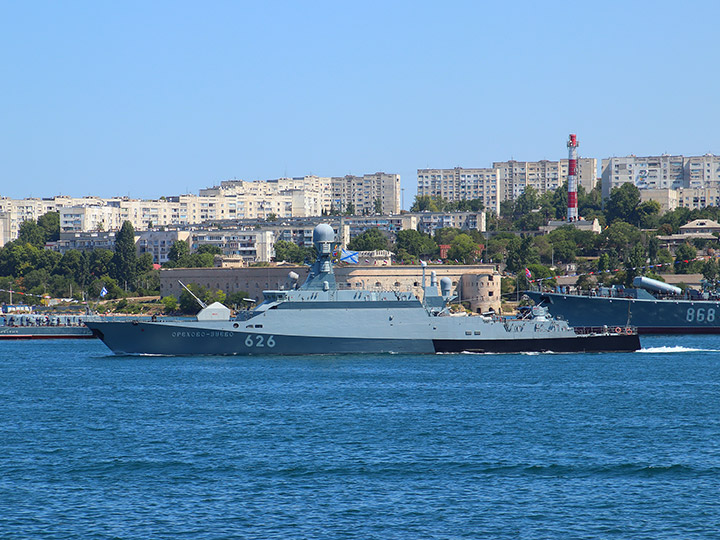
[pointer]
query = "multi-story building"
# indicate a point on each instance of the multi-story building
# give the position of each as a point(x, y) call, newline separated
point(84, 241)
point(462, 184)
point(250, 245)
point(90, 218)
point(702, 171)
point(648, 172)
point(429, 222)
point(661, 172)
point(369, 194)
point(233, 199)
point(5, 233)
point(692, 198)
point(19, 210)
point(159, 243)
point(542, 175)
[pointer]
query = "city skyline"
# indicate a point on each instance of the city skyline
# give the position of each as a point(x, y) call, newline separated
point(168, 98)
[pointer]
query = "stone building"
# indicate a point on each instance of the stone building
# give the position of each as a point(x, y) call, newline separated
point(479, 285)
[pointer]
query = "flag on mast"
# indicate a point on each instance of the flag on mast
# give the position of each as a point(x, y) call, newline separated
point(349, 256)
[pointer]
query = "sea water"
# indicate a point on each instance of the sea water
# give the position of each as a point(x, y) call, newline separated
point(94, 445)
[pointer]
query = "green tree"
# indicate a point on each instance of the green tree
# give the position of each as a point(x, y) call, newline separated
point(634, 263)
point(685, 262)
point(710, 270)
point(416, 243)
point(445, 235)
point(647, 214)
point(290, 252)
point(521, 253)
point(212, 250)
point(236, 300)
point(187, 303)
point(100, 262)
point(424, 203)
point(50, 224)
point(75, 265)
point(370, 240)
point(31, 233)
point(463, 249)
point(378, 205)
point(178, 251)
point(125, 258)
point(621, 236)
point(170, 304)
point(622, 203)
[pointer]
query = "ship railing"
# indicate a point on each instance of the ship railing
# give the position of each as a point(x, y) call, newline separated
point(594, 330)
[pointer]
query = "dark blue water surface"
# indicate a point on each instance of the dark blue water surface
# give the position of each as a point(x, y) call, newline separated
point(394, 446)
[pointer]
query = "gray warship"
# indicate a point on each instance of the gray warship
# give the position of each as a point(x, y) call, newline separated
point(319, 318)
point(651, 306)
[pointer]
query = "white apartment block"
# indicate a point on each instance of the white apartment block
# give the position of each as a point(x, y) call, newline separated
point(429, 222)
point(249, 245)
point(542, 175)
point(661, 172)
point(692, 198)
point(159, 243)
point(19, 210)
point(90, 218)
point(363, 192)
point(233, 199)
point(462, 184)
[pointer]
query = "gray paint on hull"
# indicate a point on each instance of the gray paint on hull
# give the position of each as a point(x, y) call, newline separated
point(159, 339)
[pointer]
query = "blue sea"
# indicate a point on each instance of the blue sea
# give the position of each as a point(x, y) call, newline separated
point(532, 446)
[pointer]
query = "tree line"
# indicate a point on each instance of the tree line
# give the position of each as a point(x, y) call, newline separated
point(27, 267)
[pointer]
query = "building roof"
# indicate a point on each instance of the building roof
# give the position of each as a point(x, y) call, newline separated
point(704, 224)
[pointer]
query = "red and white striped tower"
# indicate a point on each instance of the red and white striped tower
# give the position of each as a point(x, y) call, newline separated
point(572, 214)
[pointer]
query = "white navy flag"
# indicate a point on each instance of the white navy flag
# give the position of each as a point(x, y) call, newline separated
point(103, 291)
point(349, 256)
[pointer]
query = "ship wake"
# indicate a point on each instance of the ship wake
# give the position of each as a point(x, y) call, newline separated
point(674, 349)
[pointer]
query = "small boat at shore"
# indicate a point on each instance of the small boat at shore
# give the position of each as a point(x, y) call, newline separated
point(41, 326)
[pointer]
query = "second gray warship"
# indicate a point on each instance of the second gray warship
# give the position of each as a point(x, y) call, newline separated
point(317, 317)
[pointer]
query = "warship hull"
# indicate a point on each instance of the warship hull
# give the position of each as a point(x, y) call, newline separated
point(440, 336)
point(649, 316)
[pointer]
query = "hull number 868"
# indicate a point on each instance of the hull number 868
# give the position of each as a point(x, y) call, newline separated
point(700, 315)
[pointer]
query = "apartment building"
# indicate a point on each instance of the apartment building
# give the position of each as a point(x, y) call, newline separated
point(429, 222)
point(17, 211)
point(542, 175)
point(233, 199)
point(377, 193)
point(83, 241)
point(661, 172)
point(159, 243)
point(90, 218)
point(249, 245)
point(462, 184)
point(692, 198)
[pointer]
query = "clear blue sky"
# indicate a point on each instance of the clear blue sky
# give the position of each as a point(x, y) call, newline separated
point(152, 98)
